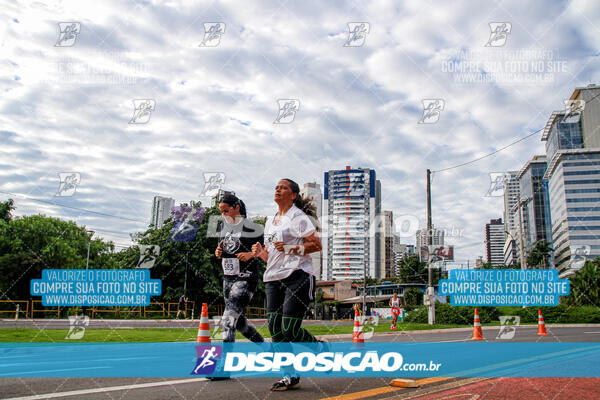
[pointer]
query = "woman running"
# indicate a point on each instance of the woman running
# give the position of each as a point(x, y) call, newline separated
point(289, 278)
point(240, 268)
point(395, 303)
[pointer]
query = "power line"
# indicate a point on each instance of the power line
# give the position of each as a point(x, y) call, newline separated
point(72, 208)
point(503, 148)
point(490, 154)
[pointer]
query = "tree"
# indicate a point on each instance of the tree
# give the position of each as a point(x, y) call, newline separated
point(5, 208)
point(412, 270)
point(539, 254)
point(32, 243)
point(413, 297)
point(585, 285)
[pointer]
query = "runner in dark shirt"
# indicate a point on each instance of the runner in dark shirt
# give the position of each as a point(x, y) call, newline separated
point(240, 267)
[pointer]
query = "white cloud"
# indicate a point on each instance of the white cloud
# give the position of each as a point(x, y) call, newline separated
point(69, 108)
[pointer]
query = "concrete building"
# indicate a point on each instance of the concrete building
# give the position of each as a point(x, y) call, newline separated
point(351, 203)
point(573, 152)
point(494, 242)
point(312, 191)
point(534, 219)
point(387, 238)
point(161, 210)
point(511, 220)
point(421, 241)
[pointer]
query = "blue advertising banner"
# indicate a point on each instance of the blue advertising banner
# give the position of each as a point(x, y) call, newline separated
point(95, 287)
point(340, 359)
point(504, 287)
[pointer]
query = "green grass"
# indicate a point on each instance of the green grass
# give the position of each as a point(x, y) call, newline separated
point(177, 334)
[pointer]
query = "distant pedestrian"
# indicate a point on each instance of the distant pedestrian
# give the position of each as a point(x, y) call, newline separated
point(182, 306)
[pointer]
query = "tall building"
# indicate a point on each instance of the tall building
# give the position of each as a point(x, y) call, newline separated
point(534, 203)
point(161, 210)
point(351, 202)
point(573, 152)
point(494, 242)
point(437, 238)
point(387, 238)
point(312, 191)
point(511, 220)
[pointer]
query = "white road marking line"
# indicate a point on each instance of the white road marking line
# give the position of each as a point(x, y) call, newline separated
point(107, 389)
point(591, 332)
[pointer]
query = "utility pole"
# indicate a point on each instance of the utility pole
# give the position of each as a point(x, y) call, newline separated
point(87, 259)
point(430, 290)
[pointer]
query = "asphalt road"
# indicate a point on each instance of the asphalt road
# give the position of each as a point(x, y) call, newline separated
point(320, 388)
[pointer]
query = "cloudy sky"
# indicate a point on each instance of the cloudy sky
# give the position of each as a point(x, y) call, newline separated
point(67, 102)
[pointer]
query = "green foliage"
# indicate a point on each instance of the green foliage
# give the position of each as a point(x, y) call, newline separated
point(539, 255)
point(33, 243)
point(585, 285)
point(413, 297)
point(411, 270)
point(5, 208)
point(447, 314)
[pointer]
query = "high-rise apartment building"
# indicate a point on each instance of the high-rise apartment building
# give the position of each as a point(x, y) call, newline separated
point(572, 141)
point(494, 242)
point(161, 210)
point(437, 237)
point(312, 191)
point(534, 203)
point(387, 238)
point(511, 220)
point(351, 203)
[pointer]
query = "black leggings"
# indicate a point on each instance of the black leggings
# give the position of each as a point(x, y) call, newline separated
point(237, 295)
point(287, 302)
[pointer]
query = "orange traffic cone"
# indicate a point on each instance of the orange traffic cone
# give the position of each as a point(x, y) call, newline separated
point(203, 326)
point(477, 334)
point(357, 334)
point(541, 323)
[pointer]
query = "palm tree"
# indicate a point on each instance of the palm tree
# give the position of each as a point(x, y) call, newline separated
point(585, 285)
point(539, 255)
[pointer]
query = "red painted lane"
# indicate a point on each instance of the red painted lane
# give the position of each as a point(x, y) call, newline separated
point(523, 389)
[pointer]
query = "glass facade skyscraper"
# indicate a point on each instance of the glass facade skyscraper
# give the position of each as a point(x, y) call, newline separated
point(573, 175)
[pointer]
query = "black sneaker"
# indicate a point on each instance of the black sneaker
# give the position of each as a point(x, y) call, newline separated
point(286, 383)
point(217, 378)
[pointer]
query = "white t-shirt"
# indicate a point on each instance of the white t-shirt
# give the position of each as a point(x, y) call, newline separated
point(290, 229)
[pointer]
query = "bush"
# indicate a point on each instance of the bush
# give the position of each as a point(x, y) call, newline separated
point(447, 314)
point(413, 297)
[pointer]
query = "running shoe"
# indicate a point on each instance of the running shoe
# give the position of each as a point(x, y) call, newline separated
point(286, 383)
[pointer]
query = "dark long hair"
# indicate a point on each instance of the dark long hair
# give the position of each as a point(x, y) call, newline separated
point(301, 202)
point(232, 200)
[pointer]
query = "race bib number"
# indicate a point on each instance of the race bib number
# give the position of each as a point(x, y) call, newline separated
point(231, 266)
point(395, 311)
